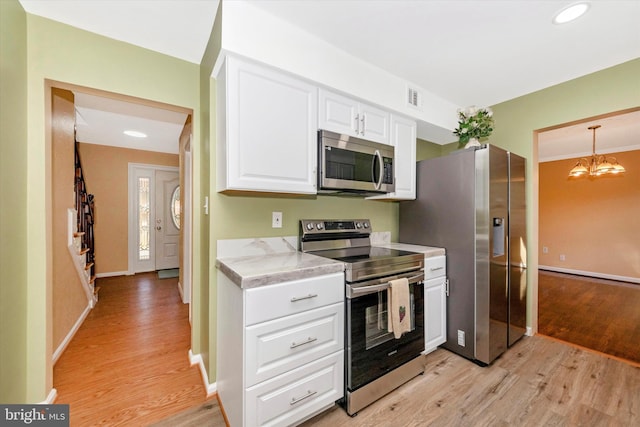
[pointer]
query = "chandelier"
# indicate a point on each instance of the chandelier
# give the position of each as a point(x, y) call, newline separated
point(596, 165)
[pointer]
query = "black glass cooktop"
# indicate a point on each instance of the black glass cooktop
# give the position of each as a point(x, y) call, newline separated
point(369, 253)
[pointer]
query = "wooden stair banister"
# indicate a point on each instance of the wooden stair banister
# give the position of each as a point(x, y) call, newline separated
point(85, 208)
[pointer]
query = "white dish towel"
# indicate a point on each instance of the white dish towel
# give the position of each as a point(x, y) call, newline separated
point(398, 305)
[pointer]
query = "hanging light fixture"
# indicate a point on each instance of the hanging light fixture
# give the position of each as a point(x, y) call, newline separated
point(597, 165)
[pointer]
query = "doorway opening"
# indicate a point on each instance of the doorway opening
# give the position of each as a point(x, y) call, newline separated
point(587, 279)
point(108, 182)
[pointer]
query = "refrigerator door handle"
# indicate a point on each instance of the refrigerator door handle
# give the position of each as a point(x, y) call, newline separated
point(446, 287)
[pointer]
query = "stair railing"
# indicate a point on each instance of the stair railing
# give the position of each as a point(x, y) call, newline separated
point(85, 208)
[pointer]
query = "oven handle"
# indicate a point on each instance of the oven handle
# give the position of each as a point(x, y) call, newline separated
point(365, 290)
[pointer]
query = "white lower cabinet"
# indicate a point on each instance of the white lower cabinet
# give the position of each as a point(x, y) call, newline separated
point(291, 398)
point(280, 349)
point(280, 345)
point(435, 302)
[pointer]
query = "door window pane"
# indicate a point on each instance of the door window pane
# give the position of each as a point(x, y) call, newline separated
point(175, 207)
point(143, 218)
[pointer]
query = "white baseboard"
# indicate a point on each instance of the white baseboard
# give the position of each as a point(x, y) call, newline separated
point(196, 359)
point(529, 331)
point(112, 274)
point(590, 274)
point(65, 342)
point(180, 292)
point(51, 397)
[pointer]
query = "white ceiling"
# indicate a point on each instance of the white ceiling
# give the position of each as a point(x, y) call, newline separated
point(617, 133)
point(103, 120)
point(472, 52)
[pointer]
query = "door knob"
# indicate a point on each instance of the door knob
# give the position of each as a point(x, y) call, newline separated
point(158, 228)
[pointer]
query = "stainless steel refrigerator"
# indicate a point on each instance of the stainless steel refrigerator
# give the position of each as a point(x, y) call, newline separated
point(472, 203)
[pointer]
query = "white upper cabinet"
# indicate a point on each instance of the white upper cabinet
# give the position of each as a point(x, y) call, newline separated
point(347, 116)
point(266, 130)
point(403, 138)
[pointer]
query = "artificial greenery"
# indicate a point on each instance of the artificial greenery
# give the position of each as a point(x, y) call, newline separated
point(474, 122)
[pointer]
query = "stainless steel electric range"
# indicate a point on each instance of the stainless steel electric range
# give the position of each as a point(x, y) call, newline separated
point(375, 361)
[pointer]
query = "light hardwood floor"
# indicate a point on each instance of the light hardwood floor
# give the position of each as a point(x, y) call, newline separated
point(538, 382)
point(128, 363)
point(128, 366)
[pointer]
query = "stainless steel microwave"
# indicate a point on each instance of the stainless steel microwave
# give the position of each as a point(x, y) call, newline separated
point(348, 164)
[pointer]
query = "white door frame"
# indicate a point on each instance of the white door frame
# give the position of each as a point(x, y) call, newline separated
point(137, 170)
point(186, 248)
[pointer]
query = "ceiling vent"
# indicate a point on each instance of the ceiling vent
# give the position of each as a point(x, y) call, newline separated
point(414, 98)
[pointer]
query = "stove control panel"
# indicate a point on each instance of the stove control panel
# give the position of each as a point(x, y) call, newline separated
point(331, 226)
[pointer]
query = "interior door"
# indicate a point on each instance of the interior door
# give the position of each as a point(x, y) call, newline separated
point(167, 221)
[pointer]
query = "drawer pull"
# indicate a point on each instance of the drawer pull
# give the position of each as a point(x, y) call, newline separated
point(436, 268)
point(294, 299)
point(299, 399)
point(308, 340)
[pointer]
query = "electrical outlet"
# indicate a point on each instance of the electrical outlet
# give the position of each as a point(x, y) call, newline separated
point(276, 219)
point(461, 338)
point(562, 257)
point(545, 250)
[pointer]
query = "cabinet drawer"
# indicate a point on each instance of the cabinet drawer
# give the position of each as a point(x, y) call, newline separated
point(273, 301)
point(435, 267)
point(278, 346)
point(288, 398)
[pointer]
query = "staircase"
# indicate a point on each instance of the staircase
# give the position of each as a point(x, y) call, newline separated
point(81, 238)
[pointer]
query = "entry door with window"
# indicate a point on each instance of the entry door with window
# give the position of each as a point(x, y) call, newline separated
point(154, 218)
point(167, 222)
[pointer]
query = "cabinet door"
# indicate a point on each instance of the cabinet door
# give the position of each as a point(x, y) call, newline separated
point(278, 346)
point(338, 113)
point(289, 398)
point(403, 138)
point(435, 320)
point(271, 130)
point(374, 124)
point(292, 297)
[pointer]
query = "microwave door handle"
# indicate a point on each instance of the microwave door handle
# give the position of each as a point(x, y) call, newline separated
point(378, 158)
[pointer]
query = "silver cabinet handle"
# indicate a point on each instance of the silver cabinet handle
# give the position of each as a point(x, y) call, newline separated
point(294, 299)
point(306, 396)
point(307, 341)
point(363, 126)
point(436, 268)
point(357, 129)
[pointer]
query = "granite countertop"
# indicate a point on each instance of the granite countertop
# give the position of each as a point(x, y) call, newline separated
point(428, 251)
point(261, 270)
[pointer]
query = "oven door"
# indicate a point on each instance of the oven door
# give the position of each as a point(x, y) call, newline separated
point(348, 163)
point(372, 351)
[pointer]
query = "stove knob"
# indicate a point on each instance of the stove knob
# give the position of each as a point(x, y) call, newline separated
point(366, 225)
point(358, 225)
point(309, 226)
point(319, 226)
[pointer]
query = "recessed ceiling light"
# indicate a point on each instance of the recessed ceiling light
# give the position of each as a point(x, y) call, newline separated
point(570, 13)
point(135, 133)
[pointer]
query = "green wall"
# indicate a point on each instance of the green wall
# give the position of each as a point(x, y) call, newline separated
point(65, 54)
point(203, 298)
point(13, 202)
point(427, 150)
point(516, 121)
